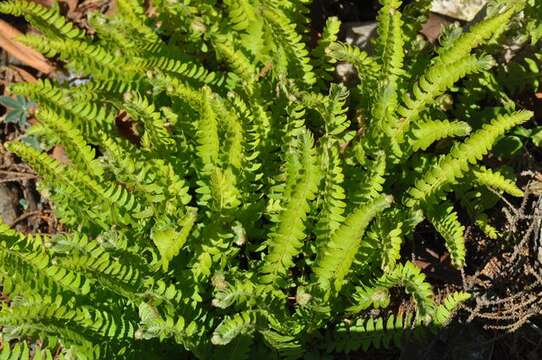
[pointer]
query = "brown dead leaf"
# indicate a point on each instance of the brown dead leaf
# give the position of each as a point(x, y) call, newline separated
point(538, 106)
point(60, 155)
point(26, 55)
point(46, 3)
point(23, 74)
point(433, 27)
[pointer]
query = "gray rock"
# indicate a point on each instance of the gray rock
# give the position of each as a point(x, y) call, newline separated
point(8, 203)
point(360, 33)
point(464, 10)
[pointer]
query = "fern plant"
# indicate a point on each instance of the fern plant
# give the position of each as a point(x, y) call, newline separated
point(223, 197)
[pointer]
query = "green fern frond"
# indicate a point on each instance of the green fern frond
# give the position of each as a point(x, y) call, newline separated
point(286, 35)
point(365, 65)
point(477, 34)
point(241, 13)
point(285, 241)
point(333, 197)
point(88, 116)
point(28, 260)
point(428, 132)
point(390, 40)
point(323, 62)
point(61, 131)
point(84, 57)
point(386, 236)
point(335, 258)
point(208, 140)
point(482, 221)
point(379, 332)
point(156, 136)
point(185, 69)
point(408, 276)
point(365, 297)
point(153, 325)
point(23, 351)
point(230, 328)
point(227, 294)
point(132, 12)
point(170, 241)
point(45, 19)
point(444, 219)
point(239, 63)
point(434, 83)
point(496, 180)
point(453, 166)
point(222, 197)
point(449, 305)
point(371, 184)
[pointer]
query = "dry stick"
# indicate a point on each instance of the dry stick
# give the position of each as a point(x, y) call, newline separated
point(28, 214)
point(15, 173)
point(508, 299)
point(18, 179)
point(505, 200)
point(17, 176)
point(534, 301)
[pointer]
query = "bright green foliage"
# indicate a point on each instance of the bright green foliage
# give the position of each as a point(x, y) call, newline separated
point(433, 130)
point(363, 333)
point(497, 181)
point(223, 198)
point(444, 219)
point(336, 257)
point(408, 276)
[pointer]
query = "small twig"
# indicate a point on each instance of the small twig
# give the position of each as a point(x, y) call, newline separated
point(505, 200)
point(29, 214)
point(18, 179)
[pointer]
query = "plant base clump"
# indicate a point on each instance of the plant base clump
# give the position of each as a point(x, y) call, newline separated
point(225, 198)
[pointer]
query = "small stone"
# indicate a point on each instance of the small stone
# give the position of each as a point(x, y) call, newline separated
point(465, 10)
point(8, 203)
point(433, 27)
point(360, 34)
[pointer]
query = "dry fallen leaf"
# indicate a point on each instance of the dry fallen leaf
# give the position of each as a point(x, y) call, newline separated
point(28, 56)
point(23, 74)
point(59, 154)
point(433, 27)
